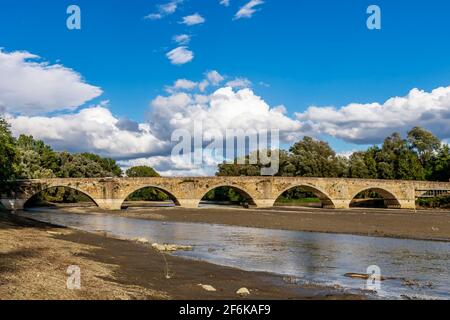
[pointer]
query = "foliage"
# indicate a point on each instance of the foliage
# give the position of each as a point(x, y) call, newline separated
point(226, 194)
point(141, 171)
point(421, 156)
point(7, 152)
point(437, 202)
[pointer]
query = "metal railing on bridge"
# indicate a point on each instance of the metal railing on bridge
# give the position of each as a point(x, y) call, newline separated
point(432, 193)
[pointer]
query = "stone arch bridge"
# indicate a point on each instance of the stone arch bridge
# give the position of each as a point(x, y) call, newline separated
point(110, 193)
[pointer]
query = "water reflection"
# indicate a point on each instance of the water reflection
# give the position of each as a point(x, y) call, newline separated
point(310, 257)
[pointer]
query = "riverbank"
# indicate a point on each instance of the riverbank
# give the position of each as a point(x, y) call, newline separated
point(407, 224)
point(34, 258)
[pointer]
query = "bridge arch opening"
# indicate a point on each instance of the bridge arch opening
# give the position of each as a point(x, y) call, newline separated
point(304, 196)
point(59, 196)
point(227, 196)
point(375, 198)
point(150, 196)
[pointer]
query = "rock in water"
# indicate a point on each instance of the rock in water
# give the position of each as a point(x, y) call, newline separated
point(208, 287)
point(141, 240)
point(170, 247)
point(243, 292)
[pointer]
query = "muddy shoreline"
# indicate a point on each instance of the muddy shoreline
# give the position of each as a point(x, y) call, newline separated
point(35, 257)
point(432, 225)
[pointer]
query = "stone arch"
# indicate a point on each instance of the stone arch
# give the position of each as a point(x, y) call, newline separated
point(36, 191)
point(242, 191)
point(171, 195)
point(391, 200)
point(327, 202)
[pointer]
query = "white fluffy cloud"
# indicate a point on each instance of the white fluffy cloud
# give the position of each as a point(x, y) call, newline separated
point(93, 129)
point(239, 83)
point(214, 77)
point(225, 3)
point(370, 123)
point(248, 9)
point(31, 86)
point(164, 10)
point(180, 55)
point(224, 109)
point(193, 19)
point(182, 39)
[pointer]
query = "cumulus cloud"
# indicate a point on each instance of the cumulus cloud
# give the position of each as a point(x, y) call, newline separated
point(180, 55)
point(182, 84)
point(225, 3)
point(239, 83)
point(214, 77)
point(154, 16)
point(371, 122)
point(182, 39)
point(193, 19)
point(164, 10)
point(31, 86)
point(224, 109)
point(93, 129)
point(248, 9)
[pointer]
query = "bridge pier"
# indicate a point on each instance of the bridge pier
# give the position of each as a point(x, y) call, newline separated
point(405, 204)
point(189, 203)
point(264, 203)
point(109, 204)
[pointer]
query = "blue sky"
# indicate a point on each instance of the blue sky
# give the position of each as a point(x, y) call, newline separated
point(295, 53)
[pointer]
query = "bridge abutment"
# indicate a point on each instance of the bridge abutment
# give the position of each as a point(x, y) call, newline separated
point(13, 204)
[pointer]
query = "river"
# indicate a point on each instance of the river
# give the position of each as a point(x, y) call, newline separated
point(414, 268)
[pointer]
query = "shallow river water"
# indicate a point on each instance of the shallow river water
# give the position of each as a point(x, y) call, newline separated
point(420, 269)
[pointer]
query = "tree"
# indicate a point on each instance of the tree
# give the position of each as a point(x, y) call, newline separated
point(314, 158)
point(7, 152)
point(108, 164)
point(249, 170)
point(409, 166)
point(35, 159)
point(396, 160)
point(424, 143)
point(440, 165)
point(141, 171)
point(357, 166)
point(79, 166)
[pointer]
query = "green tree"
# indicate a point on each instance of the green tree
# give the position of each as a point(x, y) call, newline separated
point(35, 159)
point(141, 171)
point(357, 166)
point(440, 165)
point(315, 158)
point(424, 143)
point(7, 152)
point(108, 164)
point(396, 160)
point(249, 170)
point(370, 161)
point(78, 166)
